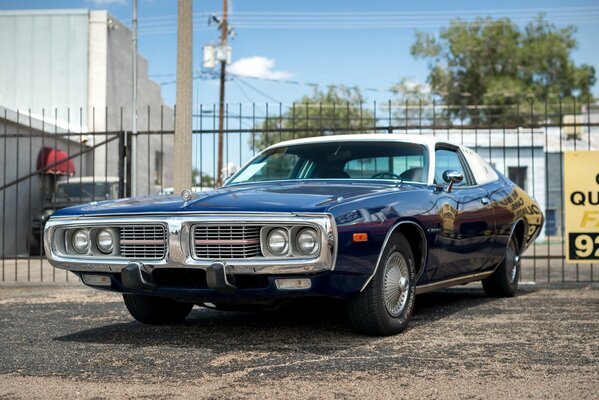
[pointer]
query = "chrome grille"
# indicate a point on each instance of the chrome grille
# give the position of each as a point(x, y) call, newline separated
point(226, 241)
point(143, 242)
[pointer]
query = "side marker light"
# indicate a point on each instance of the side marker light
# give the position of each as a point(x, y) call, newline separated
point(360, 237)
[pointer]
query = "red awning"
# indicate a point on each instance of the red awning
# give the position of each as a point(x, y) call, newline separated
point(49, 162)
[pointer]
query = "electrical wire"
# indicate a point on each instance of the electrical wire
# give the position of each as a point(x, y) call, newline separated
point(258, 90)
point(233, 77)
point(367, 20)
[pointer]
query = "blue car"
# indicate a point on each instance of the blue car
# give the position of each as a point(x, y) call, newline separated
point(371, 219)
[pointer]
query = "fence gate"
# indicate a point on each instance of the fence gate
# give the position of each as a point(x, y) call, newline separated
point(47, 164)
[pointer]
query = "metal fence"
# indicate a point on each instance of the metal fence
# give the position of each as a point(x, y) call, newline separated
point(49, 162)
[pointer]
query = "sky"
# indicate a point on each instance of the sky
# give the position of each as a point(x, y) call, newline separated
point(353, 43)
point(283, 50)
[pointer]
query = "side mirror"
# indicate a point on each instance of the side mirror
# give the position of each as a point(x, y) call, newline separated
point(452, 177)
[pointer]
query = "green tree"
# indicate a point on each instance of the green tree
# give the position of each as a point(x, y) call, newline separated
point(338, 110)
point(414, 104)
point(203, 180)
point(496, 64)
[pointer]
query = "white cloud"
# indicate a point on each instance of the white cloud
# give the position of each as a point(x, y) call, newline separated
point(417, 86)
point(103, 3)
point(258, 67)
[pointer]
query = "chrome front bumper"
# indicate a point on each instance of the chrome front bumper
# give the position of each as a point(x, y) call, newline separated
point(179, 252)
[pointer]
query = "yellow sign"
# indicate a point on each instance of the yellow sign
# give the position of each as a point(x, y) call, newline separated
point(581, 199)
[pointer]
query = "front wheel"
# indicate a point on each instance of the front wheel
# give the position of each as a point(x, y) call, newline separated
point(156, 310)
point(386, 305)
point(503, 282)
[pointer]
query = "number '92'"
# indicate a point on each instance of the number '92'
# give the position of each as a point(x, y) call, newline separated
point(584, 245)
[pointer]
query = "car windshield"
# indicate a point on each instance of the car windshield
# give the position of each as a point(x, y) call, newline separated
point(84, 191)
point(338, 160)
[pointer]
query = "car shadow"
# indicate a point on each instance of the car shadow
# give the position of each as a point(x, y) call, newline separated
point(440, 304)
point(318, 328)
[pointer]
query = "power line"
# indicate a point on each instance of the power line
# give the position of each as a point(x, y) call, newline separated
point(370, 20)
point(242, 90)
point(258, 90)
point(206, 76)
point(368, 14)
point(356, 26)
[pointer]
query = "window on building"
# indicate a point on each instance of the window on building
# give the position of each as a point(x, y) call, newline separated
point(158, 168)
point(518, 175)
point(550, 222)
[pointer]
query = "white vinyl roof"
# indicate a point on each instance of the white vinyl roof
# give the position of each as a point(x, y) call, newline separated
point(425, 140)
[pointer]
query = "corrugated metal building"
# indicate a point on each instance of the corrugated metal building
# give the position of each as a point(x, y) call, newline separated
point(71, 70)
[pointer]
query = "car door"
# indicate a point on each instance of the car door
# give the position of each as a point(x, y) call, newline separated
point(466, 214)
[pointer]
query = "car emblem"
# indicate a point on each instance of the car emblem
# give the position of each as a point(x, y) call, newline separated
point(186, 194)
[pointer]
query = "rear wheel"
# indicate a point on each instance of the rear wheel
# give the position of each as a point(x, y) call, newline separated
point(156, 310)
point(503, 282)
point(386, 305)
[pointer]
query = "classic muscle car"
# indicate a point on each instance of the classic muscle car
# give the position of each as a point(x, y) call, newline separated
point(371, 219)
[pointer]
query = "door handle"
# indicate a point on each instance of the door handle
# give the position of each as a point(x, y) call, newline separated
point(485, 200)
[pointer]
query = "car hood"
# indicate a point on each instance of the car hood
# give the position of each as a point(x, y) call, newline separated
point(265, 197)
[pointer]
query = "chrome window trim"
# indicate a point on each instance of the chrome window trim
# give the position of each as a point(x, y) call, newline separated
point(179, 253)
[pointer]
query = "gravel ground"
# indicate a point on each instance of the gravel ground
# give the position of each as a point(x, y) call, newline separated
point(72, 342)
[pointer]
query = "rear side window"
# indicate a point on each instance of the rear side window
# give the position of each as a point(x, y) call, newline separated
point(482, 171)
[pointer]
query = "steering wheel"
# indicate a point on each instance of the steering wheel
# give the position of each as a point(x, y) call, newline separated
point(382, 174)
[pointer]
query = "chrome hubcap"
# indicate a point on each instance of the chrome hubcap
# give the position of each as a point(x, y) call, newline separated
point(396, 284)
point(514, 274)
point(403, 284)
point(515, 264)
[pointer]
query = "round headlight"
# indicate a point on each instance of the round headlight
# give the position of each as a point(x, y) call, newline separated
point(307, 241)
point(80, 241)
point(278, 242)
point(104, 241)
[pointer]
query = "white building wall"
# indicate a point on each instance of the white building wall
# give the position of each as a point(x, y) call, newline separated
point(44, 63)
point(110, 103)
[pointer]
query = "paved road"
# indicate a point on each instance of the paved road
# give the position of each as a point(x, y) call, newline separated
point(72, 342)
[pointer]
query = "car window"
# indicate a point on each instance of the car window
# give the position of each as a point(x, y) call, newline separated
point(276, 166)
point(82, 191)
point(482, 171)
point(448, 159)
point(391, 160)
point(405, 167)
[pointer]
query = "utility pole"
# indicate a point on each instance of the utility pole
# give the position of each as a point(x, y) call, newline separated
point(133, 150)
point(221, 111)
point(183, 115)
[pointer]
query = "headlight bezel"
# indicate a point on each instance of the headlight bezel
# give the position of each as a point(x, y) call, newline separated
point(292, 233)
point(69, 248)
